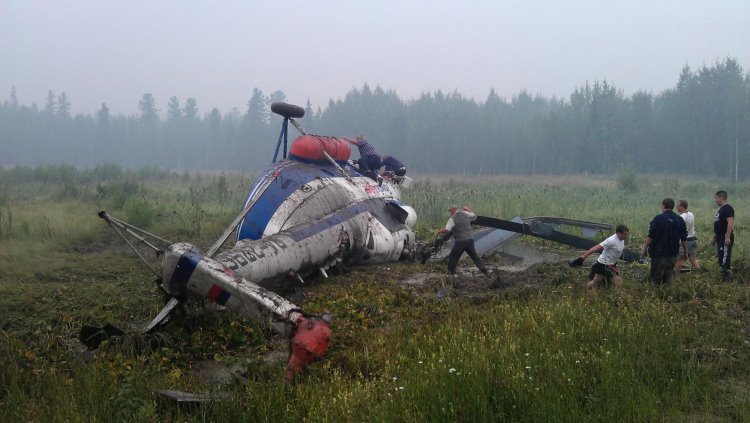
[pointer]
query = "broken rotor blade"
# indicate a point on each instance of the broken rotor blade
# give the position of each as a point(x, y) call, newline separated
point(548, 232)
point(163, 315)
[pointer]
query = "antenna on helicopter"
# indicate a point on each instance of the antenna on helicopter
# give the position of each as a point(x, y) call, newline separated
point(288, 112)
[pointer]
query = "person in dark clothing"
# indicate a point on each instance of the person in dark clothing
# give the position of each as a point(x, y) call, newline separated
point(665, 234)
point(394, 166)
point(724, 233)
point(370, 161)
point(459, 225)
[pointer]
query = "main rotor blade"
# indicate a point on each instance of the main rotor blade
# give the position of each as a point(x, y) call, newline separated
point(547, 231)
point(162, 316)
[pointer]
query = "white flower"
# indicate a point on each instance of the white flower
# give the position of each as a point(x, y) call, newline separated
point(420, 361)
point(451, 370)
point(528, 367)
point(395, 378)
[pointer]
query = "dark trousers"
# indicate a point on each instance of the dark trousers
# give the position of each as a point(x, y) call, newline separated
point(369, 165)
point(662, 268)
point(458, 249)
point(724, 254)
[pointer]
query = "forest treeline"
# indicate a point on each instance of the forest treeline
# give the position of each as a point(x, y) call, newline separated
point(700, 126)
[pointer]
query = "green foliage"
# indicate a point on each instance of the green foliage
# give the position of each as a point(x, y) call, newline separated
point(139, 212)
point(552, 352)
point(627, 179)
point(698, 127)
point(108, 172)
point(222, 188)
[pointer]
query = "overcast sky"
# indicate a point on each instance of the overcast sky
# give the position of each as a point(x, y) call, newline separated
point(217, 51)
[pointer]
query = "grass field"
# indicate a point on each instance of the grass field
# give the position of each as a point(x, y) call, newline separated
point(549, 352)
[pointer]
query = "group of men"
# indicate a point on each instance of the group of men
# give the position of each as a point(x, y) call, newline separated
point(670, 242)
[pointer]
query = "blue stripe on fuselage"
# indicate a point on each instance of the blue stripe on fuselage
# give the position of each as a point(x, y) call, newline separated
point(186, 264)
point(329, 222)
point(287, 180)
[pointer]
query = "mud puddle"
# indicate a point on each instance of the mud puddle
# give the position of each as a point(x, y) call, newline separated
point(512, 266)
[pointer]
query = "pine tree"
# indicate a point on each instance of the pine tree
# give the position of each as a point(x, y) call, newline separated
point(174, 113)
point(50, 105)
point(63, 107)
point(190, 110)
point(149, 112)
point(13, 102)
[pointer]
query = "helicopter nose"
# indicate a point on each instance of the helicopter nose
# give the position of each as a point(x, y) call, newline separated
point(178, 265)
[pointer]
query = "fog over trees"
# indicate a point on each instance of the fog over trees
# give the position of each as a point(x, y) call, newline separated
point(701, 126)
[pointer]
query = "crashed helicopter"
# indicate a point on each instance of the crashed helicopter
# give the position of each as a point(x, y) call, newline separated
point(310, 210)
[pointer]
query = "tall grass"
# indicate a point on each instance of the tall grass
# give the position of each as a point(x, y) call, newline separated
point(554, 353)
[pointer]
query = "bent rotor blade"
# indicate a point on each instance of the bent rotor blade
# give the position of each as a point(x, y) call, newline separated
point(163, 315)
point(548, 232)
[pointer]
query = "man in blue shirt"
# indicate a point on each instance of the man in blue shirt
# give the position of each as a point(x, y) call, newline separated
point(665, 233)
point(394, 166)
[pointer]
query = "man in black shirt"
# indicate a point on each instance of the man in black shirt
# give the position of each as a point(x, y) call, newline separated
point(665, 233)
point(724, 233)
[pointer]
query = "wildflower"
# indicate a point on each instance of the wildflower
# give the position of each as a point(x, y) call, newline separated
point(451, 370)
point(526, 354)
point(420, 361)
point(395, 378)
point(528, 367)
point(400, 388)
point(578, 361)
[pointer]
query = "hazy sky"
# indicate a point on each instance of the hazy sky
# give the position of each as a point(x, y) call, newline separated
point(217, 51)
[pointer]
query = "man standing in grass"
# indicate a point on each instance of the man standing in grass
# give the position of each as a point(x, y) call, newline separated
point(665, 233)
point(692, 239)
point(605, 268)
point(459, 225)
point(724, 233)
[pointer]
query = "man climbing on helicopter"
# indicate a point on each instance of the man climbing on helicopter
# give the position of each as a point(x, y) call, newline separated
point(370, 161)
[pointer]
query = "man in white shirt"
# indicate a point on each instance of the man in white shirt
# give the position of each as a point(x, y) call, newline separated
point(605, 267)
point(692, 239)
